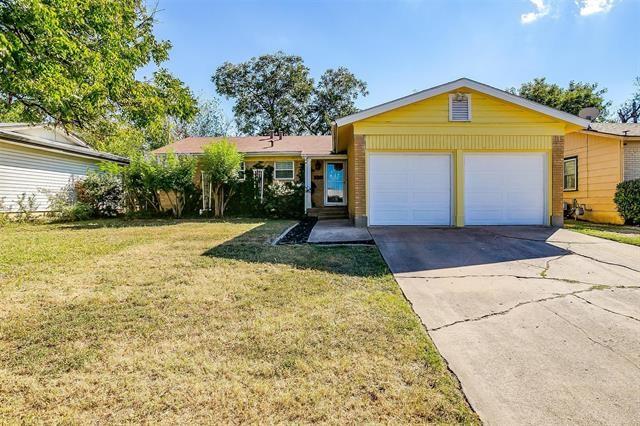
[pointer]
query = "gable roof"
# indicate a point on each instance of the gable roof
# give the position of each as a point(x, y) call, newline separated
point(617, 129)
point(41, 136)
point(255, 145)
point(457, 84)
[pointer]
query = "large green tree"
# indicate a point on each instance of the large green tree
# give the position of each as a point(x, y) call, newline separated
point(276, 92)
point(571, 99)
point(333, 97)
point(74, 62)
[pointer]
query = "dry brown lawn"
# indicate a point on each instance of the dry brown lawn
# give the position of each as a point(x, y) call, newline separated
point(196, 321)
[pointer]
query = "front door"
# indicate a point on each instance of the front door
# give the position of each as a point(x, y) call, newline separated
point(335, 183)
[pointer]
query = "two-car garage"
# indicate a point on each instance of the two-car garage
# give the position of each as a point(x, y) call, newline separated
point(419, 188)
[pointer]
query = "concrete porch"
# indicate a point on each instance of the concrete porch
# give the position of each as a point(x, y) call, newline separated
point(338, 231)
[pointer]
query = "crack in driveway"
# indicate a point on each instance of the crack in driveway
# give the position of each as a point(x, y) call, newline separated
point(544, 299)
point(623, 356)
point(606, 309)
point(568, 248)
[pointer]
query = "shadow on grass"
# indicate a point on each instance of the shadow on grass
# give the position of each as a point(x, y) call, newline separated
point(136, 223)
point(251, 246)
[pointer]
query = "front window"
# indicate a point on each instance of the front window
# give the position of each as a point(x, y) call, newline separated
point(283, 170)
point(241, 171)
point(571, 174)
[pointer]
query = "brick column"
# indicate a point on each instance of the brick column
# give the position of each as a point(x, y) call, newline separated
point(557, 173)
point(359, 181)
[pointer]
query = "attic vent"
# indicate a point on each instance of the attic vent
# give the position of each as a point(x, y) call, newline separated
point(460, 107)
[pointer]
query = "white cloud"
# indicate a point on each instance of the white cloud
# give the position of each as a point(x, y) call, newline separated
point(541, 9)
point(589, 7)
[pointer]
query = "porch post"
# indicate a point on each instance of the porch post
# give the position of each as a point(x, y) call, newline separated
point(307, 184)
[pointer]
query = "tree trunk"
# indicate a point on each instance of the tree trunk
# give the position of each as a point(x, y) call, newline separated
point(217, 200)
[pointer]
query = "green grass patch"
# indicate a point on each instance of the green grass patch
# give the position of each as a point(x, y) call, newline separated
point(620, 233)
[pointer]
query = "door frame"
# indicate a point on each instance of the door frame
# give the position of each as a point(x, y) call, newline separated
point(344, 181)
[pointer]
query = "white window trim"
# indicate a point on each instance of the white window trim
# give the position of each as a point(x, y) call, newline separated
point(275, 170)
point(564, 167)
point(469, 109)
point(243, 170)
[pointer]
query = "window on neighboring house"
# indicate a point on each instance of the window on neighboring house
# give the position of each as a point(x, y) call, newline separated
point(283, 170)
point(459, 107)
point(571, 174)
point(242, 171)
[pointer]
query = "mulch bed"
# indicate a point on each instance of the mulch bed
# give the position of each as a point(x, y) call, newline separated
point(299, 234)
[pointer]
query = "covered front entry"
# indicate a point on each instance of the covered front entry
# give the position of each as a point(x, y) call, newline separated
point(410, 189)
point(326, 186)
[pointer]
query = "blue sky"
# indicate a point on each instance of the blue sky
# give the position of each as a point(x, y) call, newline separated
point(401, 46)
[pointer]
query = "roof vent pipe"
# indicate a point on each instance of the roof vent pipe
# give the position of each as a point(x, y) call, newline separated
point(271, 135)
point(280, 134)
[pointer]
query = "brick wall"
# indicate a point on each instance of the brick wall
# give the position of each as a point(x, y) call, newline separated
point(359, 181)
point(631, 160)
point(557, 173)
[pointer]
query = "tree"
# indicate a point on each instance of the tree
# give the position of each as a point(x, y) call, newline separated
point(175, 179)
point(630, 110)
point(220, 163)
point(276, 92)
point(332, 98)
point(73, 63)
point(572, 99)
point(209, 121)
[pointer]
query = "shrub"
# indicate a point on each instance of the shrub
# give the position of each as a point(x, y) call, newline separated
point(4, 216)
point(74, 212)
point(147, 177)
point(102, 192)
point(64, 207)
point(627, 199)
point(27, 205)
point(220, 164)
point(174, 177)
point(284, 200)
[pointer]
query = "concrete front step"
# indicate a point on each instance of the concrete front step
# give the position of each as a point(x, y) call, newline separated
point(328, 212)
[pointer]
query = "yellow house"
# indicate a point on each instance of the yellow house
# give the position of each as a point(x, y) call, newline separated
point(596, 160)
point(462, 153)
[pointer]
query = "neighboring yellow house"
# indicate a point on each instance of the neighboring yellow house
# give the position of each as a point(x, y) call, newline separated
point(596, 160)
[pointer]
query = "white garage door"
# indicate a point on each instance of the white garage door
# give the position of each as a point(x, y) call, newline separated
point(409, 189)
point(505, 189)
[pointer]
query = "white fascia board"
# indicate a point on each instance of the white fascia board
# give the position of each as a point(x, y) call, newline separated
point(454, 85)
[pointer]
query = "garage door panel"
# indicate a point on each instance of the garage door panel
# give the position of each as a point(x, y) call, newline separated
point(409, 189)
point(390, 199)
point(505, 189)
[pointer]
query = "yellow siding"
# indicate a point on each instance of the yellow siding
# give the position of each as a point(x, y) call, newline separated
point(599, 171)
point(490, 116)
point(451, 142)
point(495, 125)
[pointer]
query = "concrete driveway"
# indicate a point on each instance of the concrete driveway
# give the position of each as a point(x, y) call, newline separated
point(541, 326)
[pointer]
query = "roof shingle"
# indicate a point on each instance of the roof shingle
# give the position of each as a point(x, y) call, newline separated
point(619, 129)
point(256, 145)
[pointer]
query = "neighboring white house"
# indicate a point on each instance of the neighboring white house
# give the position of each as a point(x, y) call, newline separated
point(39, 161)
